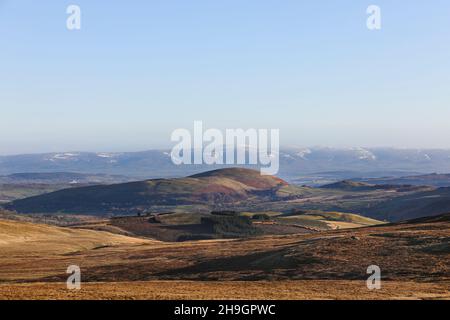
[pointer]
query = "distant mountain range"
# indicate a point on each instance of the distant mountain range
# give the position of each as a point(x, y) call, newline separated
point(302, 164)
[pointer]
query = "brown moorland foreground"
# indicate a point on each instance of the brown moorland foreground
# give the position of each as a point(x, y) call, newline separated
point(228, 290)
point(414, 258)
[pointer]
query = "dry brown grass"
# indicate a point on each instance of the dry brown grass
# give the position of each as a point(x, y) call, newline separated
point(259, 290)
point(18, 237)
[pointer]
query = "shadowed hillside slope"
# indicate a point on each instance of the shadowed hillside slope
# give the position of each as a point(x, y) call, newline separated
point(428, 203)
point(434, 179)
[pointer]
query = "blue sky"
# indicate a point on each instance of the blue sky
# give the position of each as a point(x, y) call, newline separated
point(137, 70)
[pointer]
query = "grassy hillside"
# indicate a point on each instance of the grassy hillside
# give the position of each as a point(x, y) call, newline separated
point(241, 190)
point(19, 236)
point(216, 187)
point(349, 185)
point(323, 220)
point(434, 179)
point(422, 204)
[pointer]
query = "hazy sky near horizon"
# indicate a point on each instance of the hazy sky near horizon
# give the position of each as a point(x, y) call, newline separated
point(137, 70)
